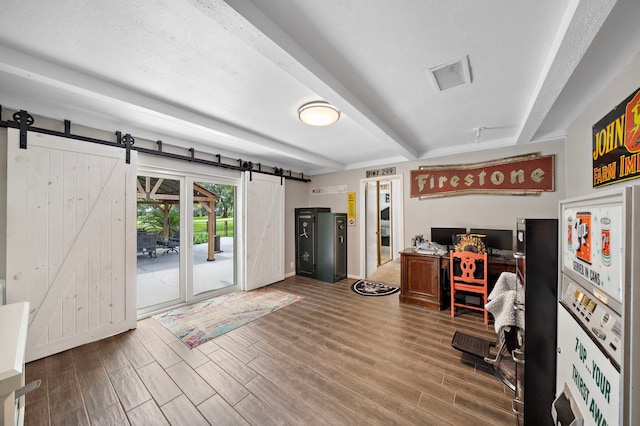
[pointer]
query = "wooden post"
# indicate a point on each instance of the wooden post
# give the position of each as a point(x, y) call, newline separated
point(166, 221)
point(211, 229)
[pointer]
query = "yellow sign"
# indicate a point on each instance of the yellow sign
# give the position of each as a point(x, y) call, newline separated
point(351, 209)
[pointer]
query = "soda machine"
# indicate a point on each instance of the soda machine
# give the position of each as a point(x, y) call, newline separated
point(598, 300)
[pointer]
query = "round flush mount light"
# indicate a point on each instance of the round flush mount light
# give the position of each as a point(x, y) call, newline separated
point(318, 113)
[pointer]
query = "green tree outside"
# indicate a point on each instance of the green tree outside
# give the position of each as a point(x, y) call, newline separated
point(151, 217)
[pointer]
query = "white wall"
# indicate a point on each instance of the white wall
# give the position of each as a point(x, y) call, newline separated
point(481, 211)
point(579, 138)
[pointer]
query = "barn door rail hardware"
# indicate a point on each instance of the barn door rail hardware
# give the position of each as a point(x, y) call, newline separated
point(24, 121)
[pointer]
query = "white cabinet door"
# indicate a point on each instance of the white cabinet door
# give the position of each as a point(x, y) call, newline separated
point(264, 230)
point(70, 240)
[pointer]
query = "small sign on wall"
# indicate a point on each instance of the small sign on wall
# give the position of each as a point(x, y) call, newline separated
point(351, 209)
point(385, 171)
point(326, 190)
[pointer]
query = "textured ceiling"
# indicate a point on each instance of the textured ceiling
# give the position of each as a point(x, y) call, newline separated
point(228, 77)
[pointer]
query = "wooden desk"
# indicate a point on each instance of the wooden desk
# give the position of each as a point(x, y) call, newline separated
point(497, 266)
point(420, 279)
point(421, 276)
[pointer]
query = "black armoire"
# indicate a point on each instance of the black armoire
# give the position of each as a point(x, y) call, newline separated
point(321, 243)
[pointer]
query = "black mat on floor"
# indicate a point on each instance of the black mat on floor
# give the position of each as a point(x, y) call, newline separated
point(373, 288)
point(470, 344)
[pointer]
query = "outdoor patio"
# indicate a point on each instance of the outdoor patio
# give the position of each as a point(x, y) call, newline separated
point(158, 276)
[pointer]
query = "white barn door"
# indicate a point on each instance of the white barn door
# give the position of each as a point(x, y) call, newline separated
point(264, 230)
point(70, 240)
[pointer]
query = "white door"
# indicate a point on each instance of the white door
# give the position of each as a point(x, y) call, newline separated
point(264, 230)
point(70, 240)
point(369, 231)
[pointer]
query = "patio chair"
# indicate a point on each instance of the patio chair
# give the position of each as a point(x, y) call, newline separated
point(147, 243)
point(172, 244)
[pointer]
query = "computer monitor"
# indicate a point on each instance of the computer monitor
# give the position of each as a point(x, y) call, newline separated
point(496, 239)
point(444, 236)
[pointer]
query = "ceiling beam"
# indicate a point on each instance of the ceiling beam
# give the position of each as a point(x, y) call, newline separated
point(254, 28)
point(580, 24)
point(98, 91)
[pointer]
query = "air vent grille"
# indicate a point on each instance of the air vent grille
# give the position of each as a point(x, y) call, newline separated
point(451, 74)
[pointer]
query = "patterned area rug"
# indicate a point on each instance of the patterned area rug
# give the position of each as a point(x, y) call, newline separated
point(198, 323)
point(373, 288)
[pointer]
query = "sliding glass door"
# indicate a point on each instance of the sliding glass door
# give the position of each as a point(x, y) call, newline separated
point(158, 242)
point(213, 236)
point(185, 239)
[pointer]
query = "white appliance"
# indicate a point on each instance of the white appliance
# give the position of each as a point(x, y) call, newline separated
point(13, 337)
point(598, 304)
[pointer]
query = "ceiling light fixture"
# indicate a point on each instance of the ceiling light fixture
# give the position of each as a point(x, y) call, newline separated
point(318, 113)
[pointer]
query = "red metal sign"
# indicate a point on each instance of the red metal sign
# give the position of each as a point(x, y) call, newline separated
point(523, 175)
point(616, 143)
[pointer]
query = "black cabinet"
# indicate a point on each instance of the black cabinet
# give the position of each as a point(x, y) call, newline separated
point(307, 240)
point(321, 243)
point(332, 246)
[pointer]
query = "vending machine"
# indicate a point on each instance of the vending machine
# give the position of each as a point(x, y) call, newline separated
point(598, 310)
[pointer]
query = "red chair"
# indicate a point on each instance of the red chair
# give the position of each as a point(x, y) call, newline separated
point(465, 275)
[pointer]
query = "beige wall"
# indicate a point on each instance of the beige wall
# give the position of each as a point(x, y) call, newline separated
point(579, 141)
point(483, 211)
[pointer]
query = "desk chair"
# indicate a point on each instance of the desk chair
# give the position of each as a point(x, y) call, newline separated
point(465, 278)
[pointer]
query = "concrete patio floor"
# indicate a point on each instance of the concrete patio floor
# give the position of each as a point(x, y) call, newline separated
point(158, 278)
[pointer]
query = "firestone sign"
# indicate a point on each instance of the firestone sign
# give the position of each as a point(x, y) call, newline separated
point(523, 175)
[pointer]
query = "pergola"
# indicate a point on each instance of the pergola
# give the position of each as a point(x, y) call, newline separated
point(165, 192)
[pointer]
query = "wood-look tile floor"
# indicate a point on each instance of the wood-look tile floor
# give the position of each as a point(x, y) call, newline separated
point(333, 358)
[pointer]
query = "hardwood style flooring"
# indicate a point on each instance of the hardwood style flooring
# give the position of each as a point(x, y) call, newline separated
point(334, 358)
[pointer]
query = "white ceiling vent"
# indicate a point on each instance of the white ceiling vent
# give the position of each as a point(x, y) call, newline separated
point(451, 74)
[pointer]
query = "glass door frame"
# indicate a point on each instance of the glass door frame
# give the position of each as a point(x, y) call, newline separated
point(189, 287)
point(186, 264)
point(149, 310)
